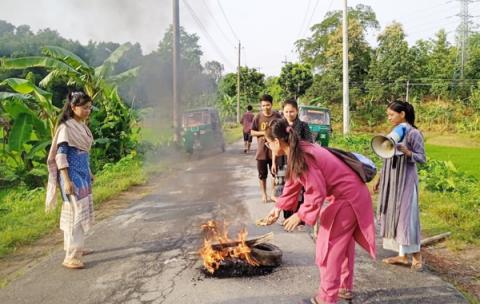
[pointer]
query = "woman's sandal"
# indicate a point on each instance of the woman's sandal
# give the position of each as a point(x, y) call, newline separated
point(73, 264)
point(397, 260)
point(345, 294)
point(417, 266)
point(315, 301)
point(87, 251)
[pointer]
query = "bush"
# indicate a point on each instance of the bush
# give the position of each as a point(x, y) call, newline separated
point(443, 176)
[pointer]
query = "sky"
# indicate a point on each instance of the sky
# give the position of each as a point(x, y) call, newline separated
point(267, 29)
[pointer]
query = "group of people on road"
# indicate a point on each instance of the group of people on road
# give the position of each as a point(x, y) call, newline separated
point(314, 186)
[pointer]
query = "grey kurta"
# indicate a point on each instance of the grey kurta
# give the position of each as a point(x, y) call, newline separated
point(398, 198)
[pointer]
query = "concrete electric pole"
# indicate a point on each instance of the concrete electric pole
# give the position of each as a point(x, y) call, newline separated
point(238, 83)
point(175, 72)
point(346, 107)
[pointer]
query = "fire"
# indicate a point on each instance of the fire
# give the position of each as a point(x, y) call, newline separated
point(217, 246)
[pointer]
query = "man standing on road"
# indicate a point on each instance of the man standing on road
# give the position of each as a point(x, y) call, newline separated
point(264, 155)
point(246, 121)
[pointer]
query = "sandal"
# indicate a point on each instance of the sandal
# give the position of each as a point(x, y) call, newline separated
point(87, 251)
point(73, 264)
point(315, 301)
point(397, 260)
point(417, 266)
point(345, 294)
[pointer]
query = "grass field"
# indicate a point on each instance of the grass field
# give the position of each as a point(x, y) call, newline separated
point(22, 215)
point(464, 159)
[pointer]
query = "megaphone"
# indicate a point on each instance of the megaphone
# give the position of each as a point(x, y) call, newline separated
point(385, 145)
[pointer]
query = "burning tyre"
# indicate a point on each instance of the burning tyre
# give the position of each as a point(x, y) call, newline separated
point(224, 257)
point(267, 254)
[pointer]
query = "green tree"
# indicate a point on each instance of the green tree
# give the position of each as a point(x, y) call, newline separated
point(113, 122)
point(273, 88)
point(295, 79)
point(323, 51)
point(391, 66)
point(214, 70)
point(313, 50)
point(252, 84)
point(441, 65)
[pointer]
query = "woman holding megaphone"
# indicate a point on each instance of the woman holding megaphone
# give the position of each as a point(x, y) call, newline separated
point(398, 210)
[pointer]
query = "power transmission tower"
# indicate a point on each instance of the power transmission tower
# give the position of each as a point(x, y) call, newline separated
point(464, 33)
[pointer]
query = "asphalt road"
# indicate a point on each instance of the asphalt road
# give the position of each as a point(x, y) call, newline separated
point(146, 252)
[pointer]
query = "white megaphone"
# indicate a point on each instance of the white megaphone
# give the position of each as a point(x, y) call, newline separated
point(385, 146)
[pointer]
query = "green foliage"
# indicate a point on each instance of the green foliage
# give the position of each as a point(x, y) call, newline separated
point(443, 176)
point(22, 210)
point(461, 157)
point(391, 65)
point(252, 84)
point(323, 51)
point(273, 88)
point(112, 122)
point(295, 79)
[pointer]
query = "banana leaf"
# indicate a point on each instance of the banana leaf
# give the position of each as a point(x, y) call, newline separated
point(14, 96)
point(39, 146)
point(108, 65)
point(66, 56)
point(20, 133)
point(35, 62)
point(125, 76)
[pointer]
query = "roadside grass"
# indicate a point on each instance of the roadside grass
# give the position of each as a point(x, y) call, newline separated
point(232, 132)
point(464, 159)
point(457, 210)
point(22, 216)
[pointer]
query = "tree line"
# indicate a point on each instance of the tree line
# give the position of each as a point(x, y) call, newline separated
point(428, 69)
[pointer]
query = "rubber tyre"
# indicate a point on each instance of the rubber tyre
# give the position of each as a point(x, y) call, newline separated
point(267, 254)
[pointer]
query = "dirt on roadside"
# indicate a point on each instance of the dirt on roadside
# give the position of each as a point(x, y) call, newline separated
point(460, 267)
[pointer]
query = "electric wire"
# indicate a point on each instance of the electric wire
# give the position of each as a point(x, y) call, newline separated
point(228, 22)
point(227, 38)
point(302, 26)
point(206, 33)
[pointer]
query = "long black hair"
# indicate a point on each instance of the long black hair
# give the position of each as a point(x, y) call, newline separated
point(280, 129)
point(75, 99)
point(403, 106)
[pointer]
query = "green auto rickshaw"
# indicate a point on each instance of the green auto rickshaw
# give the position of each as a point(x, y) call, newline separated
point(318, 119)
point(202, 130)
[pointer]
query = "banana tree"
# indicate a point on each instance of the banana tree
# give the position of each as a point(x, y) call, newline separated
point(64, 64)
point(115, 133)
point(27, 118)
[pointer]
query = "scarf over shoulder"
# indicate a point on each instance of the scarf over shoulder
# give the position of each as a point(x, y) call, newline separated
point(75, 134)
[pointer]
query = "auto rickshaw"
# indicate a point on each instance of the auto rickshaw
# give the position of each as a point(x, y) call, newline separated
point(201, 130)
point(318, 119)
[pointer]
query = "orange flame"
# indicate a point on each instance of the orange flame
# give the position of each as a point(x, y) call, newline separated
point(213, 255)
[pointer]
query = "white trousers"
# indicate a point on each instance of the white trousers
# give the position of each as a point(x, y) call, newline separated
point(74, 243)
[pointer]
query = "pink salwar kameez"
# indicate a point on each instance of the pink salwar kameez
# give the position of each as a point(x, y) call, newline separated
point(336, 196)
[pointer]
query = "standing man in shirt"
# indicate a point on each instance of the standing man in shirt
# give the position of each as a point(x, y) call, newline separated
point(264, 155)
point(246, 121)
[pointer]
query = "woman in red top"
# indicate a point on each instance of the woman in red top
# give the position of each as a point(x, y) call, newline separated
point(336, 196)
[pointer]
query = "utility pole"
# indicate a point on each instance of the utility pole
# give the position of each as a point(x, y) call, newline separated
point(238, 82)
point(176, 61)
point(408, 85)
point(346, 107)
